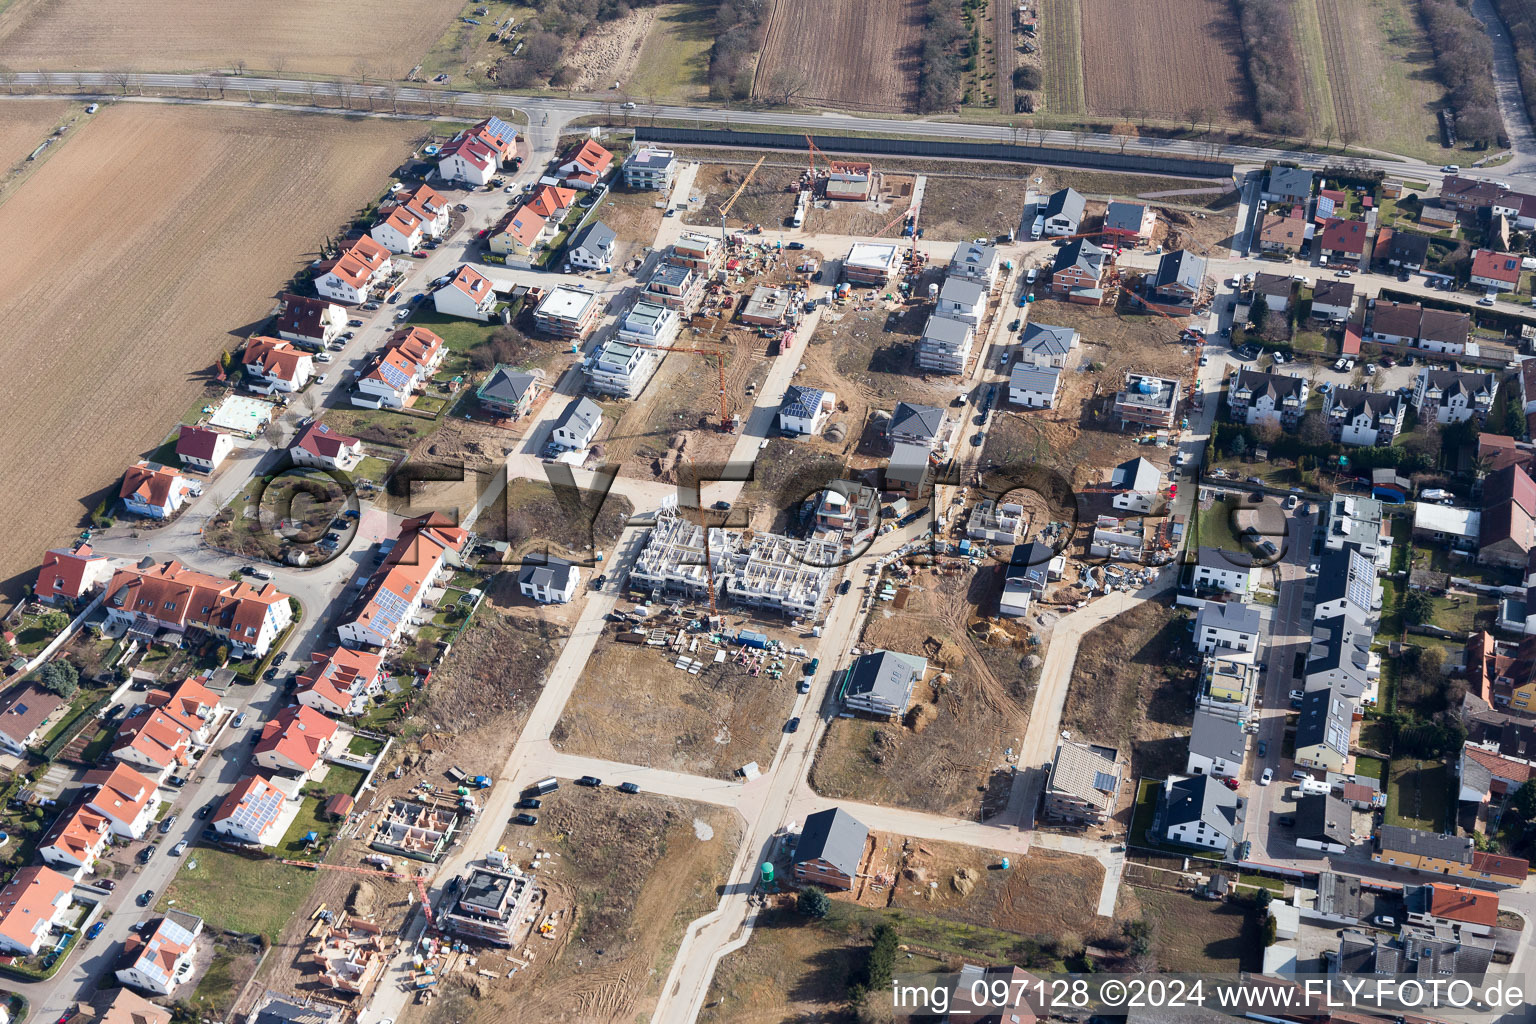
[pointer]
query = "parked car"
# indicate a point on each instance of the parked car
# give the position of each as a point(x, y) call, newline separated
point(795, 245)
point(1267, 777)
point(354, 323)
point(322, 357)
point(529, 803)
point(792, 725)
point(179, 849)
point(525, 819)
point(1230, 783)
point(145, 898)
point(95, 930)
point(146, 855)
point(1291, 502)
point(239, 721)
point(1297, 695)
point(629, 787)
point(722, 505)
point(168, 824)
point(804, 685)
point(370, 306)
point(590, 781)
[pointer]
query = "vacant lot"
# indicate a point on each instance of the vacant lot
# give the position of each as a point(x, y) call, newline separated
point(1194, 935)
point(135, 251)
point(858, 54)
point(1131, 688)
point(164, 35)
point(531, 517)
point(1042, 896)
point(1163, 59)
point(674, 62)
point(634, 705)
point(236, 894)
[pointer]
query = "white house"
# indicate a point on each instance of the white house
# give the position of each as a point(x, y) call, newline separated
point(68, 574)
point(319, 446)
point(32, 906)
point(592, 248)
point(649, 323)
point(1367, 418)
point(620, 368)
point(311, 320)
point(1200, 811)
point(410, 218)
point(1452, 396)
point(172, 597)
point(551, 581)
point(578, 425)
point(478, 152)
point(339, 681)
point(273, 365)
point(164, 959)
point(650, 168)
point(348, 277)
point(975, 261)
point(1137, 485)
point(1216, 568)
point(126, 798)
point(1217, 745)
point(962, 299)
point(467, 294)
point(1034, 386)
point(155, 491)
point(203, 448)
point(74, 842)
point(294, 741)
point(423, 553)
point(255, 812)
point(1064, 212)
point(399, 370)
point(805, 410)
point(1047, 344)
point(1227, 626)
point(1275, 399)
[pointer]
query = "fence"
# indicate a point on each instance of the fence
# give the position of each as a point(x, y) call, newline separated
point(1193, 167)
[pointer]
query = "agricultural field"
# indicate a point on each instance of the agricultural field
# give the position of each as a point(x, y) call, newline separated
point(383, 36)
point(23, 127)
point(855, 55)
point(117, 247)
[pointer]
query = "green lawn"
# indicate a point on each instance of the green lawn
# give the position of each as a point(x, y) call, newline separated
point(363, 746)
point(674, 61)
point(1213, 528)
point(381, 426)
point(233, 893)
point(1461, 614)
point(371, 469)
point(1146, 809)
point(1370, 767)
point(1417, 794)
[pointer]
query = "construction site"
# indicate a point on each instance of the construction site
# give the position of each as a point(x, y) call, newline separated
point(419, 829)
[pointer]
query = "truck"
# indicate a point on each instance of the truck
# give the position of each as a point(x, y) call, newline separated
point(1038, 229)
point(482, 782)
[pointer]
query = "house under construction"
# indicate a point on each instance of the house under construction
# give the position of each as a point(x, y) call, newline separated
point(761, 570)
point(421, 831)
point(490, 906)
point(351, 953)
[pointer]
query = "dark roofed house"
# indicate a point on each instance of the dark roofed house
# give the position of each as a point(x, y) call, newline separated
point(1407, 250)
point(915, 424)
point(1274, 289)
point(880, 683)
point(1396, 323)
point(24, 716)
point(1129, 223)
point(1201, 812)
point(1332, 300)
point(1363, 417)
point(1452, 396)
point(548, 580)
point(1256, 397)
point(1322, 823)
point(830, 849)
point(1288, 185)
point(507, 392)
point(1415, 952)
point(1077, 271)
point(1507, 533)
point(1441, 330)
point(1064, 212)
point(592, 248)
point(1179, 277)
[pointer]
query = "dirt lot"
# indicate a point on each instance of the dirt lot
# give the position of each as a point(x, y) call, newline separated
point(492, 677)
point(768, 199)
point(637, 871)
point(858, 55)
point(1163, 59)
point(633, 216)
point(23, 127)
point(947, 756)
point(1131, 688)
point(1192, 934)
point(608, 54)
point(530, 516)
point(163, 35)
point(634, 705)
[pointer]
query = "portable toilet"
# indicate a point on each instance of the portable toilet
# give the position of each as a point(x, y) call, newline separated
point(766, 878)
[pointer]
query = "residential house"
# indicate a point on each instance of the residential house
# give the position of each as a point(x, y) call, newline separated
point(880, 683)
point(1029, 572)
point(1084, 784)
point(1179, 278)
point(157, 741)
point(945, 346)
point(1423, 954)
point(520, 232)
point(128, 1007)
point(971, 1000)
point(1395, 323)
point(805, 410)
point(313, 321)
point(1224, 627)
point(159, 961)
point(172, 597)
point(1147, 401)
point(1287, 185)
point(975, 261)
point(1443, 331)
point(1229, 571)
point(915, 424)
point(155, 491)
point(1322, 731)
point(1450, 856)
point(552, 203)
point(830, 849)
point(1137, 485)
point(1464, 910)
point(1438, 218)
point(1488, 778)
point(1217, 745)
point(1034, 386)
point(340, 681)
point(1340, 660)
point(76, 839)
point(567, 312)
point(908, 469)
point(872, 263)
point(1507, 529)
point(649, 323)
point(848, 510)
point(1064, 212)
point(126, 798)
point(506, 393)
point(1274, 290)
point(1495, 271)
point(190, 699)
point(1199, 811)
point(578, 424)
point(548, 580)
point(1346, 585)
point(1356, 520)
point(622, 369)
point(592, 247)
point(478, 152)
point(962, 299)
point(1406, 250)
point(1332, 299)
point(701, 253)
point(1445, 524)
point(650, 168)
point(1047, 345)
point(1452, 396)
point(1322, 823)
point(765, 307)
point(273, 365)
point(1342, 241)
point(203, 448)
point(1129, 224)
point(1077, 272)
point(676, 287)
point(1229, 682)
point(350, 275)
point(1283, 232)
point(32, 906)
point(1367, 418)
point(997, 522)
point(67, 575)
point(399, 370)
point(1468, 194)
point(468, 294)
point(294, 741)
point(850, 181)
point(426, 547)
point(319, 446)
point(584, 166)
point(255, 812)
point(1267, 399)
point(410, 217)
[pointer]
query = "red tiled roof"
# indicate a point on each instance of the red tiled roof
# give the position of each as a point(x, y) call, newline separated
point(297, 734)
point(194, 598)
point(323, 442)
point(551, 200)
point(472, 283)
point(80, 833)
point(64, 571)
point(32, 896)
point(1351, 340)
point(592, 158)
point(358, 262)
point(1497, 266)
point(336, 675)
point(1346, 236)
point(123, 794)
point(152, 484)
point(1510, 484)
point(275, 357)
point(1502, 767)
point(197, 443)
point(1456, 903)
point(1513, 868)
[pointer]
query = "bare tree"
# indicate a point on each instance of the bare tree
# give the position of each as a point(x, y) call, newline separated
point(392, 92)
point(279, 64)
point(120, 79)
point(7, 77)
point(1125, 132)
point(312, 90)
point(451, 103)
point(240, 66)
point(788, 82)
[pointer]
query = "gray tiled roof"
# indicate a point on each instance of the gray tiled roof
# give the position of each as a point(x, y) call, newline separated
point(834, 836)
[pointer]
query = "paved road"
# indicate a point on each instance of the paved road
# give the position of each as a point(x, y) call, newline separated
point(550, 113)
point(1506, 83)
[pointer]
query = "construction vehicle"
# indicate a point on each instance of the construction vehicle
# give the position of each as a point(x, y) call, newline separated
point(418, 881)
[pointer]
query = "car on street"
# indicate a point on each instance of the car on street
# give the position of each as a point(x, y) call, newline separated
point(168, 824)
point(525, 819)
point(462, 207)
point(420, 254)
point(1297, 695)
point(804, 685)
point(795, 245)
point(1450, 169)
point(722, 506)
point(370, 306)
point(105, 883)
point(322, 357)
point(239, 721)
point(1267, 777)
point(1014, 325)
point(590, 781)
point(96, 929)
point(528, 803)
point(600, 582)
point(792, 725)
point(629, 787)
point(1230, 783)
point(845, 586)
point(1486, 300)
point(270, 674)
point(1291, 502)
point(978, 438)
point(354, 323)
point(1263, 748)
point(146, 855)
point(179, 849)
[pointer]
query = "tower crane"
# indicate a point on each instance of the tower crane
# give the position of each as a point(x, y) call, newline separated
point(416, 880)
point(725, 209)
point(811, 152)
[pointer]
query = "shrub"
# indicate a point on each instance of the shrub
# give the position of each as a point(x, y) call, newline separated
point(60, 677)
point(813, 903)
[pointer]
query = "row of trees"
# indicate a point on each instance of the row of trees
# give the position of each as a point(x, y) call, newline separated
point(942, 57)
point(739, 28)
point(1464, 64)
point(1271, 60)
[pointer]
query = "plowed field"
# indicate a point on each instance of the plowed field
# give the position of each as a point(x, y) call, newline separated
point(858, 54)
point(1163, 59)
point(131, 255)
point(171, 35)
